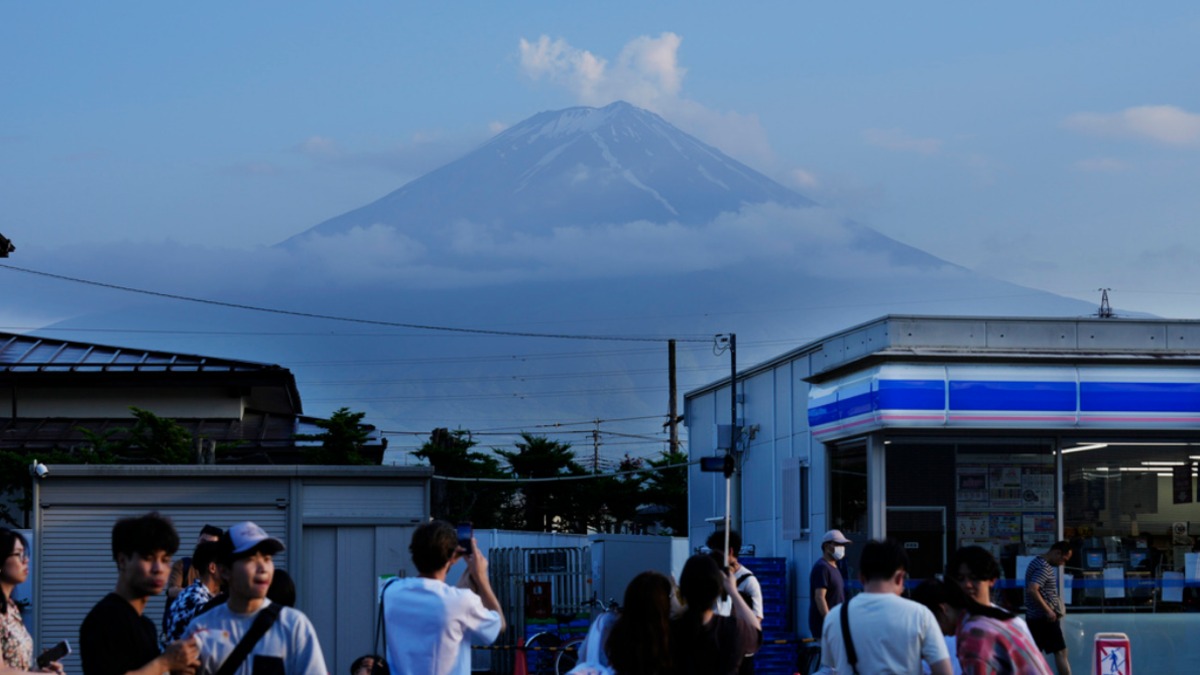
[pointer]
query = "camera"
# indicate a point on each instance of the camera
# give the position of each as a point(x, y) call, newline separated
point(38, 469)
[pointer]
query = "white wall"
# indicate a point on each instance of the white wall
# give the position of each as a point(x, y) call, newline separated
point(776, 401)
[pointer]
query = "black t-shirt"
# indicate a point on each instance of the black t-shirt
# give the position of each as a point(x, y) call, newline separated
point(114, 639)
point(712, 649)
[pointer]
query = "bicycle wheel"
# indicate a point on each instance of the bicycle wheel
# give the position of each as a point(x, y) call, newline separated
point(810, 659)
point(568, 657)
point(540, 652)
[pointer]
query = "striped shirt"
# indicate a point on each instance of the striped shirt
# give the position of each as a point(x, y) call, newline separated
point(1041, 573)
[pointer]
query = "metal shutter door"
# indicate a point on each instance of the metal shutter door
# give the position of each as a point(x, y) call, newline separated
point(77, 566)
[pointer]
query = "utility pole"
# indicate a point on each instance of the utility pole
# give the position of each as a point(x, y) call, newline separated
point(734, 520)
point(596, 448)
point(672, 409)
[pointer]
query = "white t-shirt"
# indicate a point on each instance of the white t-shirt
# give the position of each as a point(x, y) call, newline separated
point(291, 642)
point(432, 625)
point(746, 583)
point(952, 648)
point(891, 634)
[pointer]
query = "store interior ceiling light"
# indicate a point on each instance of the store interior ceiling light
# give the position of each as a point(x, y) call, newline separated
point(1153, 463)
point(1081, 448)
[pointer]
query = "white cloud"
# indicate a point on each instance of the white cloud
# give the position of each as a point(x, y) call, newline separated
point(897, 140)
point(496, 127)
point(646, 73)
point(1166, 124)
point(812, 242)
point(319, 146)
point(802, 179)
point(1101, 165)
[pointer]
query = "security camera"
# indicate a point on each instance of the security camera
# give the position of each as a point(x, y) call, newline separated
point(38, 469)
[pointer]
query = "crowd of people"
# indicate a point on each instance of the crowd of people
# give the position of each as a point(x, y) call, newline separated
point(231, 612)
point(949, 626)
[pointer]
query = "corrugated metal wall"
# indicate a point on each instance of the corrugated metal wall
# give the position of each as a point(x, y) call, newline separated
point(76, 553)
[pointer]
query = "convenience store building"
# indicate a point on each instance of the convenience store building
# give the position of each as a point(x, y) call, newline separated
point(1009, 433)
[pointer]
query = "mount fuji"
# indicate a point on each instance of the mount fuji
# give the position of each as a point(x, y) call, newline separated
point(579, 166)
point(593, 224)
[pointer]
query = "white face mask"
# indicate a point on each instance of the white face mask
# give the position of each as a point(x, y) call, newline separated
point(839, 552)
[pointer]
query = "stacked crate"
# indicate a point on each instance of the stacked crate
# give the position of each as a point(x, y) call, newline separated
point(777, 656)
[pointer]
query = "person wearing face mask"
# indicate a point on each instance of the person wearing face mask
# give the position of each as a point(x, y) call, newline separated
point(826, 586)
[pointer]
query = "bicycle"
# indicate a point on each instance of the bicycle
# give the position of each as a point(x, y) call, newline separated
point(546, 653)
point(809, 657)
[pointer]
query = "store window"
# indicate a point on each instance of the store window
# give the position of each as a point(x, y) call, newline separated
point(848, 490)
point(994, 493)
point(1132, 518)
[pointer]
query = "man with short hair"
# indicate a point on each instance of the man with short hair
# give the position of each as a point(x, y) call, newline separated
point(369, 664)
point(115, 638)
point(887, 633)
point(746, 583)
point(289, 644)
point(1043, 608)
point(207, 584)
point(183, 575)
point(431, 625)
point(826, 586)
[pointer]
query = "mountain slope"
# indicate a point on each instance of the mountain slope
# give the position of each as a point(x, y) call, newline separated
point(580, 166)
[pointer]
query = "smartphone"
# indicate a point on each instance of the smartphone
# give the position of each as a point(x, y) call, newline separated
point(55, 653)
point(465, 533)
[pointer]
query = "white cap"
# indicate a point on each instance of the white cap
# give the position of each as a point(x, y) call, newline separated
point(835, 536)
point(246, 536)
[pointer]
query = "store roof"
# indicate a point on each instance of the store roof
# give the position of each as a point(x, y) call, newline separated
point(917, 338)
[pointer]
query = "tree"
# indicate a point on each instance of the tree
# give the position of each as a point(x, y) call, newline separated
point(159, 439)
point(486, 505)
point(342, 439)
point(547, 506)
point(666, 490)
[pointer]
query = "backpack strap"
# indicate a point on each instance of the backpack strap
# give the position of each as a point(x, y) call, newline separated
point(380, 628)
point(851, 652)
point(262, 623)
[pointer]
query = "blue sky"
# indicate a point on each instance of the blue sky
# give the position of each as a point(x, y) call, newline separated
point(1055, 145)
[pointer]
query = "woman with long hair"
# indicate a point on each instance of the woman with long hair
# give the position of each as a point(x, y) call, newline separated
point(638, 641)
point(703, 642)
point(16, 646)
point(989, 639)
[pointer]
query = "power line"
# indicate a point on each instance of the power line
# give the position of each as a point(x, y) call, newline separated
point(555, 479)
point(507, 378)
point(330, 317)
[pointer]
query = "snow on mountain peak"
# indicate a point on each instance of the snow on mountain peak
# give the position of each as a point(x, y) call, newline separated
point(575, 167)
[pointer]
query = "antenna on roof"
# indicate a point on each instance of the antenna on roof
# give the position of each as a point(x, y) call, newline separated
point(1106, 311)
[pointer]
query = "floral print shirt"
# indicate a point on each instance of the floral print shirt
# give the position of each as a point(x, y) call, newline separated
point(187, 603)
point(16, 646)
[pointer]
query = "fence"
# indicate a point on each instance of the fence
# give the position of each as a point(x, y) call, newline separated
point(538, 589)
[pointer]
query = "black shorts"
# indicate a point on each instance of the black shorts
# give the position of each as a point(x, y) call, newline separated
point(1047, 634)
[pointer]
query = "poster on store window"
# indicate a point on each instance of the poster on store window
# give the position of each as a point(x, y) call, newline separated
point(972, 488)
point(1037, 489)
point(972, 526)
point(1038, 531)
point(1004, 487)
point(1005, 525)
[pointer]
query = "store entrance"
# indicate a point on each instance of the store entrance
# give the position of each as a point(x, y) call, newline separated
point(921, 530)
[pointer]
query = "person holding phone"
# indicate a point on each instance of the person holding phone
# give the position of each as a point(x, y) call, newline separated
point(429, 625)
point(16, 646)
